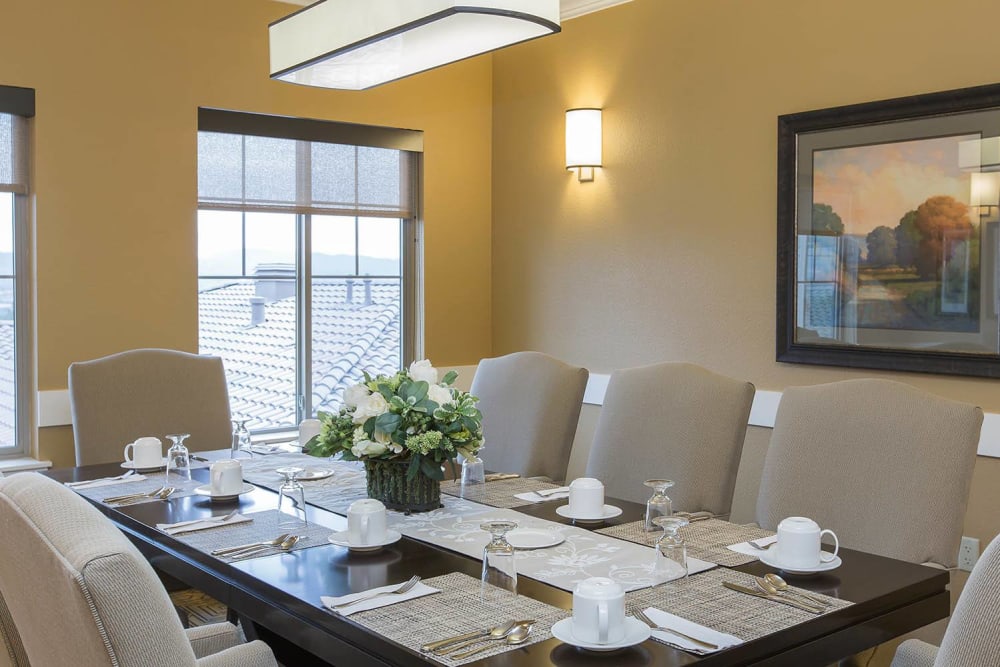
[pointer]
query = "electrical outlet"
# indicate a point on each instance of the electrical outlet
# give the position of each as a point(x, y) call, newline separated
point(968, 553)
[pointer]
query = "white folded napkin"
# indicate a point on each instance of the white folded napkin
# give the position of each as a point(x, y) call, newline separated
point(667, 620)
point(532, 497)
point(418, 591)
point(200, 524)
point(745, 548)
point(105, 481)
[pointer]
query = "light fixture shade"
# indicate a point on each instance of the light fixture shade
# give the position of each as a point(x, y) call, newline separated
point(583, 138)
point(358, 44)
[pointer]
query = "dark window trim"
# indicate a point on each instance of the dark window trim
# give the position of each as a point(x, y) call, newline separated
point(18, 101)
point(309, 129)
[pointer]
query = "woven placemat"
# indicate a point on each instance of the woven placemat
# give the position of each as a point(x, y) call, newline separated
point(152, 482)
point(701, 598)
point(263, 527)
point(705, 539)
point(457, 610)
point(497, 494)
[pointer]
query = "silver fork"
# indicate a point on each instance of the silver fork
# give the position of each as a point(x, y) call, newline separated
point(130, 496)
point(545, 493)
point(761, 547)
point(403, 588)
point(641, 615)
point(162, 494)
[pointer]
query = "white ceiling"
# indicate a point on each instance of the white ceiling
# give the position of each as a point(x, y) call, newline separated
point(569, 9)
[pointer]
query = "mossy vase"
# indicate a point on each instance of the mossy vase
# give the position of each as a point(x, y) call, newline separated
point(387, 482)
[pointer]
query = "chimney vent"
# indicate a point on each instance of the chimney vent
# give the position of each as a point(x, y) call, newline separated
point(257, 314)
point(350, 292)
point(368, 291)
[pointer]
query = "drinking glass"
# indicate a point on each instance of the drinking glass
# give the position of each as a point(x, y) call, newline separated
point(178, 456)
point(241, 438)
point(472, 473)
point(671, 551)
point(291, 499)
point(659, 504)
point(499, 580)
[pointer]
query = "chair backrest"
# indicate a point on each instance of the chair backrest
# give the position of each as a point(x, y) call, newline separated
point(121, 397)
point(13, 654)
point(64, 560)
point(674, 421)
point(531, 405)
point(884, 465)
point(971, 637)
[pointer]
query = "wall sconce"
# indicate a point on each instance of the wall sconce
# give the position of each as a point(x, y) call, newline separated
point(583, 142)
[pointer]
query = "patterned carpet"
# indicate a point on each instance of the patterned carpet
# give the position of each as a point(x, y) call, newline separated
point(200, 608)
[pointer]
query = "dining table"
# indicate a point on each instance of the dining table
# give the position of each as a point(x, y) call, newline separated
point(277, 597)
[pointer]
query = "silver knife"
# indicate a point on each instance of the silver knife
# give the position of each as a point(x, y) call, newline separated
point(760, 594)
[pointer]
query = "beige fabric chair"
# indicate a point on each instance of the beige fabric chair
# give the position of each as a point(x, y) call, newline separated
point(884, 465)
point(63, 559)
point(971, 637)
point(531, 405)
point(121, 397)
point(675, 421)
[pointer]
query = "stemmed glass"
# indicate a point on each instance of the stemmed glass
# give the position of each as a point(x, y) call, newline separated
point(499, 580)
point(671, 551)
point(241, 438)
point(659, 504)
point(178, 456)
point(291, 499)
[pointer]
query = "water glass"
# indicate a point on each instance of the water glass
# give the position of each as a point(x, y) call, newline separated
point(178, 456)
point(671, 551)
point(473, 473)
point(499, 580)
point(291, 499)
point(659, 504)
point(241, 439)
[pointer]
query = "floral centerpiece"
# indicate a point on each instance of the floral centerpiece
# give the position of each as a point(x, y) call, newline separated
point(404, 427)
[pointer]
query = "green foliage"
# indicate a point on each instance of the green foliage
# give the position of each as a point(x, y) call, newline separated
point(825, 219)
point(881, 243)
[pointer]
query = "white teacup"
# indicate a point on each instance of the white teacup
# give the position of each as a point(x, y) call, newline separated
point(366, 523)
point(799, 544)
point(308, 429)
point(227, 477)
point(586, 498)
point(145, 452)
point(599, 611)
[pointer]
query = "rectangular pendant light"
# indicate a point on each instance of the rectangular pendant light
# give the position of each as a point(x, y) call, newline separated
point(358, 44)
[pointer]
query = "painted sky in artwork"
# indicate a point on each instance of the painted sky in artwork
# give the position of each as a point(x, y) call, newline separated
point(869, 186)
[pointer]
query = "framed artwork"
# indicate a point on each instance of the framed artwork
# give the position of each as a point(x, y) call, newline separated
point(889, 234)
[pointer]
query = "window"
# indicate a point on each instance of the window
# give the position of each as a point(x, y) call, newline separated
point(16, 106)
point(307, 262)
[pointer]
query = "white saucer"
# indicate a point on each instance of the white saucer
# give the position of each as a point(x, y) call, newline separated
point(534, 538)
point(206, 490)
point(340, 539)
point(767, 559)
point(636, 632)
point(311, 474)
point(610, 512)
point(129, 465)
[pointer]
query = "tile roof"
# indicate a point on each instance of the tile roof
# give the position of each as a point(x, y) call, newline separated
point(8, 400)
point(347, 339)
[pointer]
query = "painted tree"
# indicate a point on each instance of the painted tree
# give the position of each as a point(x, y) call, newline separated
point(825, 219)
point(936, 217)
point(907, 239)
point(881, 246)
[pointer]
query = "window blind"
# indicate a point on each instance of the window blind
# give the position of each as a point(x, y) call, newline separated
point(16, 105)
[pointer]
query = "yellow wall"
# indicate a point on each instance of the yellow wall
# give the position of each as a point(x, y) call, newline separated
point(670, 253)
point(118, 86)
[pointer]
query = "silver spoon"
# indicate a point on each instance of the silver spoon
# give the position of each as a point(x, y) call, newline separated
point(782, 585)
point(229, 551)
point(518, 635)
point(512, 629)
point(498, 632)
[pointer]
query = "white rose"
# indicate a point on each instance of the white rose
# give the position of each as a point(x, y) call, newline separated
point(372, 406)
point(355, 394)
point(368, 448)
point(439, 394)
point(422, 370)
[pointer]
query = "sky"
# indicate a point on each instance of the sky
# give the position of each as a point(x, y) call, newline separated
point(869, 186)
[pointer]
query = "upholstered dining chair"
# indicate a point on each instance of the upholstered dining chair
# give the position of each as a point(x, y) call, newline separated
point(675, 421)
point(147, 392)
point(883, 464)
point(531, 405)
point(63, 557)
point(971, 637)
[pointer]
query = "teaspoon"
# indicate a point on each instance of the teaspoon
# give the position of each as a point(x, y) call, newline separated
point(518, 635)
point(782, 585)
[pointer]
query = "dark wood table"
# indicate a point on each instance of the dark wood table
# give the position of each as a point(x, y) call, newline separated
point(280, 595)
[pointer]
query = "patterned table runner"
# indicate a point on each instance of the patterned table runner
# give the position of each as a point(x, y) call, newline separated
point(703, 600)
point(263, 527)
point(499, 493)
point(153, 481)
point(705, 539)
point(457, 610)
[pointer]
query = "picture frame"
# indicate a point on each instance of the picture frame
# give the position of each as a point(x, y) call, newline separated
point(888, 234)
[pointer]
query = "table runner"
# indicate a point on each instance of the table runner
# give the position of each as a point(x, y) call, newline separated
point(263, 527)
point(499, 493)
point(706, 539)
point(152, 482)
point(457, 610)
point(702, 599)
